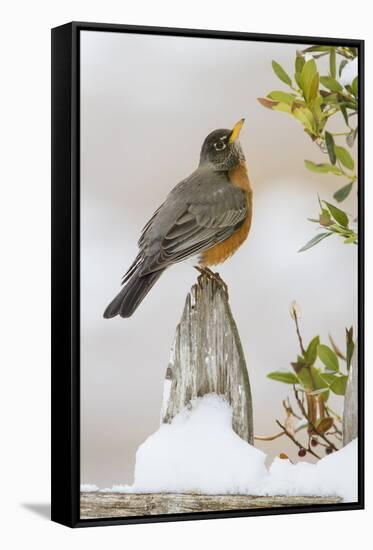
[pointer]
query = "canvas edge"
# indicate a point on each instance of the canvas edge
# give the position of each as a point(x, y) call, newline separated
point(65, 277)
point(66, 272)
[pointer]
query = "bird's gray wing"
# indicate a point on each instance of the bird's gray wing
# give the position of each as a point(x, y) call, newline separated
point(202, 214)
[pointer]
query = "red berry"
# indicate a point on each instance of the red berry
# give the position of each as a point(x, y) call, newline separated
point(314, 442)
point(328, 450)
point(302, 452)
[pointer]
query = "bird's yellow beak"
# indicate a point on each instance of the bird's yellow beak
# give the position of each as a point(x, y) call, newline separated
point(236, 130)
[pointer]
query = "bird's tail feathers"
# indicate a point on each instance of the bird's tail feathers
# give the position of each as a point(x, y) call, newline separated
point(132, 294)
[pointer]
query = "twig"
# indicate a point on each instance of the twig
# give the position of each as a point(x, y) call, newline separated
point(275, 436)
point(295, 441)
point(289, 410)
point(268, 437)
point(298, 332)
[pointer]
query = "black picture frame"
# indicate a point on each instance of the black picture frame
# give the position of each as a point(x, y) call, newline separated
point(65, 150)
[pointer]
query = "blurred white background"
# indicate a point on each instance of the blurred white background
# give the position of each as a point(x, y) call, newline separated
point(147, 103)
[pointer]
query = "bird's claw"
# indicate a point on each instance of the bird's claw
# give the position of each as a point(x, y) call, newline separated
point(205, 271)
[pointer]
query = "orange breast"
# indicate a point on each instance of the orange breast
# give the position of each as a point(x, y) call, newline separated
point(222, 251)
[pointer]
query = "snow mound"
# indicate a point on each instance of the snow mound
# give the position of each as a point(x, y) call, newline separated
point(335, 474)
point(199, 452)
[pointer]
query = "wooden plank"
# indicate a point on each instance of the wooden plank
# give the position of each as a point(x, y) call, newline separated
point(207, 357)
point(105, 505)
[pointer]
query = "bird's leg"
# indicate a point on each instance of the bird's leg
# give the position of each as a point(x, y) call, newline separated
point(201, 271)
point(211, 275)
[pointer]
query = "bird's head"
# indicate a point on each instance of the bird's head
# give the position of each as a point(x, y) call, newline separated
point(221, 149)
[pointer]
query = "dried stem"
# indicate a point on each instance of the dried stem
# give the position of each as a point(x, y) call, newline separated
point(313, 427)
point(268, 437)
point(289, 410)
point(295, 317)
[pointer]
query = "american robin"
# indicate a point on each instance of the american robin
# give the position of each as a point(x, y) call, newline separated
point(207, 216)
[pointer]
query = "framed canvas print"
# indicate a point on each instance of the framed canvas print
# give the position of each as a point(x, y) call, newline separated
point(207, 278)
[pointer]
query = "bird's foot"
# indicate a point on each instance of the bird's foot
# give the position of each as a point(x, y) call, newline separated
point(206, 271)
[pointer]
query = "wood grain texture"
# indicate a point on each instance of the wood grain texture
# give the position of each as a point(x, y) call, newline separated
point(350, 409)
point(105, 505)
point(207, 357)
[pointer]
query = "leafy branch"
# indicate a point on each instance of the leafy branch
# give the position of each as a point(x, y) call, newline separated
point(315, 374)
point(312, 100)
point(333, 221)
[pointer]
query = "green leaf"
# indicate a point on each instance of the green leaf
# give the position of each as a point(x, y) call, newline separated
point(352, 239)
point(305, 116)
point(314, 241)
point(342, 66)
point(318, 382)
point(343, 192)
point(331, 83)
point(314, 88)
point(345, 115)
point(281, 73)
point(339, 216)
point(282, 376)
point(332, 63)
point(305, 378)
point(339, 385)
point(311, 351)
point(350, 346)
point(298, 79)
point(308, 72)
point(355, 86)
point(344, 156)
point(318, 168)
point(299, 63)
point(278, 95)
point(329, 378)
point(322, 168)
point(318, 49)
point(329, 141)
point(318, 111)
point(330, 98)
point(283, 107)
point(328, 357)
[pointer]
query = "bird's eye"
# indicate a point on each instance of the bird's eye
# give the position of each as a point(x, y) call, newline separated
point(219, 146)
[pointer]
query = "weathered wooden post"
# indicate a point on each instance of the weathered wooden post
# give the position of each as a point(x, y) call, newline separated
point(207, 357)
point(350, 410)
